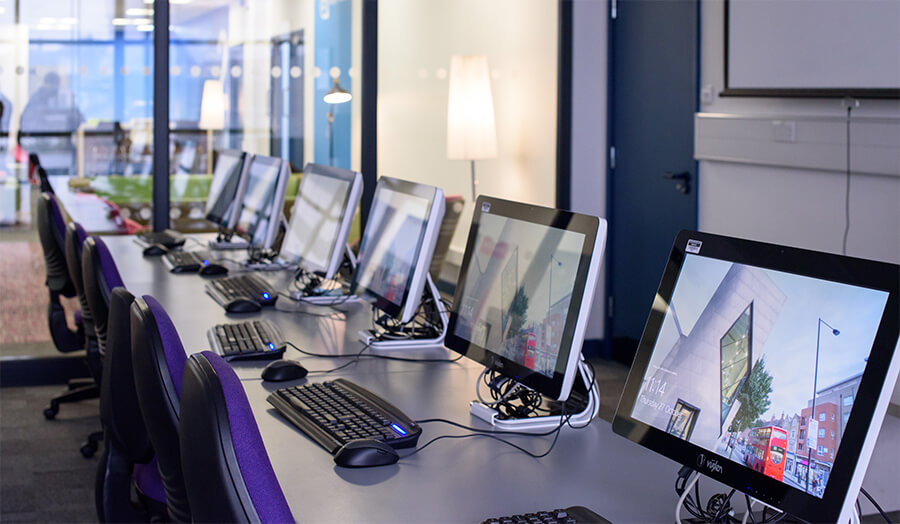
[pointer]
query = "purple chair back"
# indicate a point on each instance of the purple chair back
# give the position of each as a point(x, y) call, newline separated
point(226, 467)
point(158, 359)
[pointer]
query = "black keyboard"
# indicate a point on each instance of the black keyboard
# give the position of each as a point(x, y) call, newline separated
point(185, 261)
point(224, 290)
point(334, 413)
point(167, 237)
point(251, 340)
point(572, 515)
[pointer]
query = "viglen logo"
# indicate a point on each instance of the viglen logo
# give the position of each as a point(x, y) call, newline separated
point(711, 465)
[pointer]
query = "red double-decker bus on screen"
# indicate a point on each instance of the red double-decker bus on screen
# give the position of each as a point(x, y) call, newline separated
point(765, 450)
point(528, 345)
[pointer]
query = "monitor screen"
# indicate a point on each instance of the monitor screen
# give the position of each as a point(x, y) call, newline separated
point(521, 288)
point(260, 206)
point(223, 185)
point(397, 245)
point(320, 221)
point(759, 357)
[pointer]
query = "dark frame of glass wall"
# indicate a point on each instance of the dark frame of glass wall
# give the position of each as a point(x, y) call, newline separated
point(369, 115)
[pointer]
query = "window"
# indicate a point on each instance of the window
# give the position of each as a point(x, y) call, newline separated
point(822, 417)
point(832, 417)
point(848, 400)
point(822, 433)
point(821, 450)
point(832, 434)
point(802, 434)
point(735, 353)
point(681, 423)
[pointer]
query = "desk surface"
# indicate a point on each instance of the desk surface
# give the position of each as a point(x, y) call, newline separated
point(464, 480)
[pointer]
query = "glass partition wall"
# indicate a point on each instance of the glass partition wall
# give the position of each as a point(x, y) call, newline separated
point(76, 85)
point(469, 86)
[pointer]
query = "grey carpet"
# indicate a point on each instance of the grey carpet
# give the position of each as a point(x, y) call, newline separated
point(43, 477)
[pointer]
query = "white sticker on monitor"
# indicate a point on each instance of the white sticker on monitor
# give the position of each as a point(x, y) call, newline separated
point(485, 207)
point(693, 246)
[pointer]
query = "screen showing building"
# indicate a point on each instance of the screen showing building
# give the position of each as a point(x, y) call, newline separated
point(517, 290)
point(391, 244)
point(316, 220)
point(760, 366)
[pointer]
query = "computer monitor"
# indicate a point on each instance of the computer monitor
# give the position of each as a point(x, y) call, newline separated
point(223, 187)
point(397, 246)
point(321, 218)
point(260, 195)
point(525, 289)
point(767, 368)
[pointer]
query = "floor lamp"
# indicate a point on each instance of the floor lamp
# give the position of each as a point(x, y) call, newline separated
point(335, 95)
point(212, 116)
point(471, 134)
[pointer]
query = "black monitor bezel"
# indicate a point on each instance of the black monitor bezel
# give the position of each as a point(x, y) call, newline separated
point(853, 271)
point(399, 186)
point(241, 159)
point(586, 225)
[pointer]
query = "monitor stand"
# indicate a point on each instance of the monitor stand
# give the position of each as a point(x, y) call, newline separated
point(544, 422)
point(372, 340)
point(330, 297)
point(227, 241)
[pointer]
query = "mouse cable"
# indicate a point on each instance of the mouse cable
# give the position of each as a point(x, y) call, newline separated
point(383, 357)
point(481, 433)
point(355, 358)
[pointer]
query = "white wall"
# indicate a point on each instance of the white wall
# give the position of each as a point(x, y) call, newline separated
point(589, 92)
point(416, 40)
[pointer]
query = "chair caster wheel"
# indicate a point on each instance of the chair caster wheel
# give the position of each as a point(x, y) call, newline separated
point(50, 413)
point(88, 450)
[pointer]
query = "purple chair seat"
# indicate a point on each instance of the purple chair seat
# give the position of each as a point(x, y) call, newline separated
point(148, 481)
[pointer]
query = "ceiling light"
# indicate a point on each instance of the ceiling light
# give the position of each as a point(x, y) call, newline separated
point(146, 28)
point(138, 11)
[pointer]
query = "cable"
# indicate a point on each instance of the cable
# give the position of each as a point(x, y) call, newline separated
point(851, 103)
point(872, 500)
point(382, 357)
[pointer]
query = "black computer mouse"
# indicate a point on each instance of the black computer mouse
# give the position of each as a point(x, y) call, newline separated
point(363, 453)
point(213, 269)
point(281, 370)
point(243, 305)
point(155, 250)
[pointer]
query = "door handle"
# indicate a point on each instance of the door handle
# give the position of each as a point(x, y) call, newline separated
point(683, 180)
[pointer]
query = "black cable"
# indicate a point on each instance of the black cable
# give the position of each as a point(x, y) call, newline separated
point(850, 104)
point(360, 355)
point(872, 500)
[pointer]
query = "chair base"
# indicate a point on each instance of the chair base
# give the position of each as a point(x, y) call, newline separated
point(71, 395)
point(89, 447)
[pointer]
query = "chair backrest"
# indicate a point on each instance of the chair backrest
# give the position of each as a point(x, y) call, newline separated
point(74, 245)
point(52, 231)
point(158, 360)
point(226, 468)
point(100, 276)
point(119, 409)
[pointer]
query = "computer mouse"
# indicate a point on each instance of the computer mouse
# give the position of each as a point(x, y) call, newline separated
point(281, 370)
point(155, 250)
point(213, 269)
point(363, 453)
point(243, 305)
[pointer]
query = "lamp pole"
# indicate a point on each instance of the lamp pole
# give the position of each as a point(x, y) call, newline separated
point(812, 414)
point(550, 284)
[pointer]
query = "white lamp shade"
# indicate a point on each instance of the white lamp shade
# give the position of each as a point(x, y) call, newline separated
point(471, 134)
point(212, 106)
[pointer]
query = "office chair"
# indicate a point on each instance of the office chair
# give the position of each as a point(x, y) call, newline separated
point(158, 359)
point(128, 465)
point(226, 469)
point(52, 232)
point(99, 276)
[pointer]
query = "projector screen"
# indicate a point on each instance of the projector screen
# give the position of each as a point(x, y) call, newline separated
point(812, 47)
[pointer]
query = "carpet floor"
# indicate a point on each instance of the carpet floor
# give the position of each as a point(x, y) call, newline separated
point(43, 477)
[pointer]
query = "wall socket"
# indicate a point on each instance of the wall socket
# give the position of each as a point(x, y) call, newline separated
point(784, 131)
point(707, 94)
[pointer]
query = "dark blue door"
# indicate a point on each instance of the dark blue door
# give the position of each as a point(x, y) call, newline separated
point(652, 176)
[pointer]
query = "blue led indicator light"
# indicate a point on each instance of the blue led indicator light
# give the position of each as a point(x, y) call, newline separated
point(206, 262)
point(398, 429)
point(266, 296)
point(271, 346)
